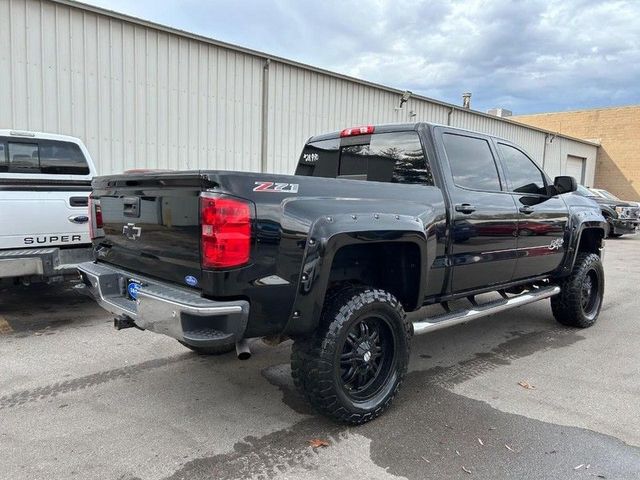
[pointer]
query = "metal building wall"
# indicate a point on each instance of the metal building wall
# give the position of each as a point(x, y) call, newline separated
point(143, 95)
point(138, 97)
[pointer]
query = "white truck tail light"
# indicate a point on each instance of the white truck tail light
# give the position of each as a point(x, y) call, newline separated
point(95, 218)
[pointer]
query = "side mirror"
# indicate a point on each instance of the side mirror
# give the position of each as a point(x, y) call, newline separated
point(565, 184)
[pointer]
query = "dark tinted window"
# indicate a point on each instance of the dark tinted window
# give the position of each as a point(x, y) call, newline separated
point(388, 157)
point(385, 157)
point(524, 175)
point(320, 159)
point(3, 157)
point(23, 158)
point(472, 163)
point(62, 158)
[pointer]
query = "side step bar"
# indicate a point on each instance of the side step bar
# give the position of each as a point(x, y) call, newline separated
point(461, 316)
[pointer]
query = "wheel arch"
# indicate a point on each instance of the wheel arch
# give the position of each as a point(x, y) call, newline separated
point(588, 237)
point(361, 255)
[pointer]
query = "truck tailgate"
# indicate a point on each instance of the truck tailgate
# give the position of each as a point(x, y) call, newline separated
point(151, 225)
point(34, 218)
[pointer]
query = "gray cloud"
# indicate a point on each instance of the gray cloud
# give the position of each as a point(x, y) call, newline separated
point(529, 56)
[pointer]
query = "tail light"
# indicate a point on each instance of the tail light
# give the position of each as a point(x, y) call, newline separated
point(95, 218)
point(350, 132)
point(225, 240)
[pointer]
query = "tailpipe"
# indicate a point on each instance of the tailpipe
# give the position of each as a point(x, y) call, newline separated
point(122, 321)
point(242, 349)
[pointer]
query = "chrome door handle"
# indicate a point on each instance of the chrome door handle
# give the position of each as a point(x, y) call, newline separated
point(465, 208)
point(526, 209)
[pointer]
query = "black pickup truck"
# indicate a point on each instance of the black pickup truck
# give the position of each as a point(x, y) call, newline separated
point(377, 221)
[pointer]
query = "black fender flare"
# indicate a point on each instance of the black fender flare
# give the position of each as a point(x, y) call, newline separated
point(331, 233)
point(583, 221)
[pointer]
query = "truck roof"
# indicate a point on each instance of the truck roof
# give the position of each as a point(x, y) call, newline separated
point(40, 135)
point(398, 127)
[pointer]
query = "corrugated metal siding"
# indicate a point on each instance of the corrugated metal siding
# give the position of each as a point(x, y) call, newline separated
point(141, 96)
point(138, 97)
point(303, 103)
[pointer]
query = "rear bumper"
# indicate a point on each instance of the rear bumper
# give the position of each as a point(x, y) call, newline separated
point(624, 226)
point(163, 308)
point(42, 262)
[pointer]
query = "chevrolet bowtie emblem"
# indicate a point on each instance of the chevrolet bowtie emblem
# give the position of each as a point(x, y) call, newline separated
point(131, 231)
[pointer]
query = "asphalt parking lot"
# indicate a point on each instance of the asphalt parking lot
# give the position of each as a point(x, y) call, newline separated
point(79, 400)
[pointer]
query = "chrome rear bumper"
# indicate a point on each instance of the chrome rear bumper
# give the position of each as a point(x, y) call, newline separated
point(163, 308)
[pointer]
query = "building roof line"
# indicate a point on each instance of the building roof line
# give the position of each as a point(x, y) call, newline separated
point(255, 53)
point(593, 109)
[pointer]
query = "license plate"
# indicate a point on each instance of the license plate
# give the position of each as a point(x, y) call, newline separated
point(132, 289)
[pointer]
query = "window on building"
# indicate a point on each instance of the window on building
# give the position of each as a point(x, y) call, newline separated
point(62, 158)
point(472, 163)
point(523, 174)
point(23, 157)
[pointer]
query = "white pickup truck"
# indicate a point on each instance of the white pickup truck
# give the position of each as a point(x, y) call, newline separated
point(45, 181)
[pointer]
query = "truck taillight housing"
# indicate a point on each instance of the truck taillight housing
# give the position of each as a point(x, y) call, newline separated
point(225, 240)
point(95, 218)
point(364, 130)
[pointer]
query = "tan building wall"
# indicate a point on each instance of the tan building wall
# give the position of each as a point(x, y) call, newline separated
point(618, 132)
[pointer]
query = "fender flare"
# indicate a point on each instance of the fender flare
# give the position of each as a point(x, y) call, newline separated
point(575, 237)
point(327, 236)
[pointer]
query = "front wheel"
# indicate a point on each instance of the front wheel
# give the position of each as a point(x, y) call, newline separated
point(353, 365)
point(579, 302)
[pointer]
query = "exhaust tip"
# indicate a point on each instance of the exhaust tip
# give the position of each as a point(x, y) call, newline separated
point(242, 349)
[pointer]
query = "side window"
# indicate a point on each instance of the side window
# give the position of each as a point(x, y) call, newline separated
point(388, 157)
point(62, 158)
point(524, 175)
point(3, 158)
point(23, 158)
point(472, 163)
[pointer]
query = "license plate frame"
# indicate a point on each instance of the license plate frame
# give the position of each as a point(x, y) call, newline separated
point(131, 290)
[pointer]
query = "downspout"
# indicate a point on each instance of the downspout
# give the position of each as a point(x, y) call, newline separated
point(449, 114)
point(544, 150)
point(550, 137)
point(265, 115)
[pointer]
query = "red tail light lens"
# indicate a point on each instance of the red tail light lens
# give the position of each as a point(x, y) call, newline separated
point(95, 217)
point(349, 132)
point(226, 232)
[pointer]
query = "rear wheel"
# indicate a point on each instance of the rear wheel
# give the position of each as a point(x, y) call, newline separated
point(353, 365)
point(219, 350)
point(579, 302)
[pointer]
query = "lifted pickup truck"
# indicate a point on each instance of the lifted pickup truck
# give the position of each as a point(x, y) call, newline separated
point(377, 221)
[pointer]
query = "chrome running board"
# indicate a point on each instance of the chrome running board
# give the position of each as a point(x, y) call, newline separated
point(448, 319)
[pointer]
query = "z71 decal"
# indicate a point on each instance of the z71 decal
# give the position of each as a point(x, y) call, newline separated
point(276, 187)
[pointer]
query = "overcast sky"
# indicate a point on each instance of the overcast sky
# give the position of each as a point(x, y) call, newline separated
point(527, 56)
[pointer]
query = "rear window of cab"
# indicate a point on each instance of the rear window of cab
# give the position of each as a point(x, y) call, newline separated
point(41, 156)
point(395, 157)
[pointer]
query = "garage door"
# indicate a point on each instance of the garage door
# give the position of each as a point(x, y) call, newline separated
point(575, 168)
